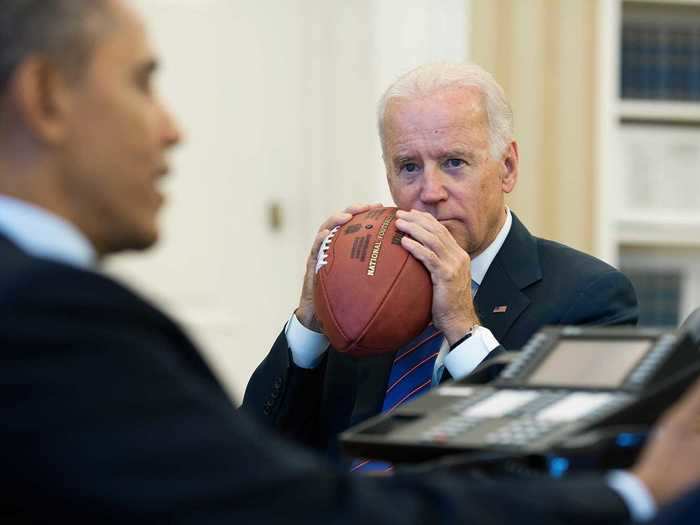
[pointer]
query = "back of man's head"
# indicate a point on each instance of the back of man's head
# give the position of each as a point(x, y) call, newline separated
point(62, 30)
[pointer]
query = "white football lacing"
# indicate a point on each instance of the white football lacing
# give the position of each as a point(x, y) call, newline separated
point(323, 251)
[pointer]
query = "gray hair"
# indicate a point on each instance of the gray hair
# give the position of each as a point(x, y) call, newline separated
point(58, 29)
point(427, 79)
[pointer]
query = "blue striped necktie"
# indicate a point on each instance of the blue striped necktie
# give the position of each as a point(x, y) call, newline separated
point(410, 376)
point(412, 371)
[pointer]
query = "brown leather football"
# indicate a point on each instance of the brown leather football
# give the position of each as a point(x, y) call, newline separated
point(371, 295)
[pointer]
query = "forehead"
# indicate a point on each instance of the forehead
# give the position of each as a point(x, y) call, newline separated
point(453, 116)
point(123, 37)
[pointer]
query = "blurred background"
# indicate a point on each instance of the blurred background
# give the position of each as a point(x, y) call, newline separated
point(277, 99)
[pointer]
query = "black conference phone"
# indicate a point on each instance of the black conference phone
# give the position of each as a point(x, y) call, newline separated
point(567, 383)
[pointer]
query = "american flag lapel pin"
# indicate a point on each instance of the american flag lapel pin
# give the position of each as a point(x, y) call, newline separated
point(500, 309)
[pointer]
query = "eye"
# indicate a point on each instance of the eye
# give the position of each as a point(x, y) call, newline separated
point(145, 82)
point(144, 77)
point(454, 163)
point(409, 168)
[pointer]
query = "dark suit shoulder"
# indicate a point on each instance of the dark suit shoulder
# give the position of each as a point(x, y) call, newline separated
point(51, 305)
point(554, 254)
point(27, 282)
point(591, 291)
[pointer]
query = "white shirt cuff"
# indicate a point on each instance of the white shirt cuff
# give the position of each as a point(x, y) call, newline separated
point(307, 346)
point(634, 493)
point(464, 358)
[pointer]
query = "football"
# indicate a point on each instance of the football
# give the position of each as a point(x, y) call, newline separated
point(371, 295)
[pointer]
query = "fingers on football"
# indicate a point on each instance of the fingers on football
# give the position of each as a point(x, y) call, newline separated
point(341, 217)
point(317, 246)
point(334, 220)
point(425, 233)
point(337, 219)
point(420, 252)
point(427, 220)
point(354, 209)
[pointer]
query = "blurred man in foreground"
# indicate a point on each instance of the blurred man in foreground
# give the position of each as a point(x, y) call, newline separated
point(110, 414)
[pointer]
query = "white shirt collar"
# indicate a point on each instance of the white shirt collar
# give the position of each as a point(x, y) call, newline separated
point(480, 263)
point(43, 234)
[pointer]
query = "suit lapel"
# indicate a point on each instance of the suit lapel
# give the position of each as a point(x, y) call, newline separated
point(500, 300)
point(496, 292)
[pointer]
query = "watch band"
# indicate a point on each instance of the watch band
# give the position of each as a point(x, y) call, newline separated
point(465, 337)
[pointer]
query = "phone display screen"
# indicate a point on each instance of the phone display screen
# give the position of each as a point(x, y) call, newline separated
point(601, 363)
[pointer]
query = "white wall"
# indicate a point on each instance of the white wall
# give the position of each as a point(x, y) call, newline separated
point(277, 99)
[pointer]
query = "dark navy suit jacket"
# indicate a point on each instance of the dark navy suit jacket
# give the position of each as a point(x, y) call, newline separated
point(110, 415)
point(685, 511)
point(540, 282)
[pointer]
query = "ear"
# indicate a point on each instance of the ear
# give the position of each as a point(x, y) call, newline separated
point(510, 168)
point(41, 96)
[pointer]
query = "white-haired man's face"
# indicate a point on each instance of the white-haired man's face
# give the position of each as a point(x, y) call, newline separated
point(437, 156)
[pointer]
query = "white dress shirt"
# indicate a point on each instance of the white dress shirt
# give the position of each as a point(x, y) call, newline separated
point(43, 234)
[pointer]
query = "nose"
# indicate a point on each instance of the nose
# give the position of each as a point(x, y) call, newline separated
point(170, 132)
point(433, 188)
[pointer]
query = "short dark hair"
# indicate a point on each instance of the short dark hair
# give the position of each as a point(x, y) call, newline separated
point(59, 29)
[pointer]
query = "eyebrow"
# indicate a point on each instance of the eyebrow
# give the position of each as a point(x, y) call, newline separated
point(446, 154)
point(400, 159)
point(458, 152)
